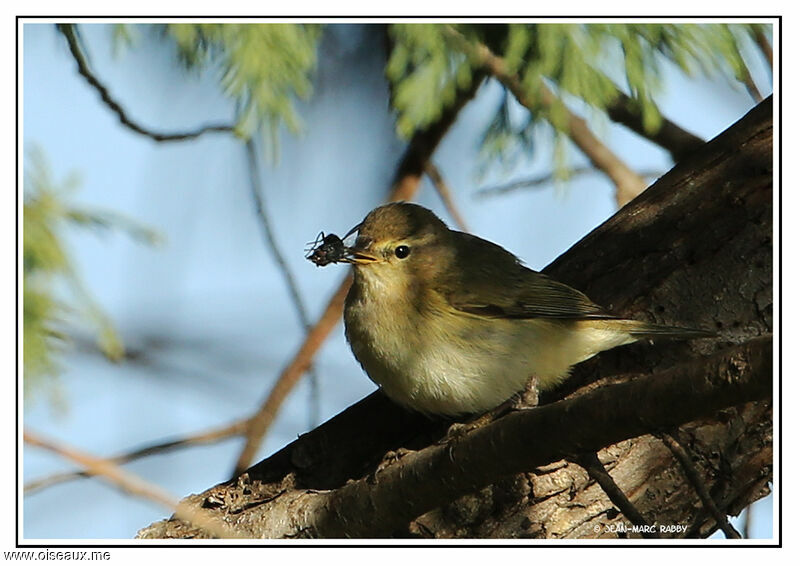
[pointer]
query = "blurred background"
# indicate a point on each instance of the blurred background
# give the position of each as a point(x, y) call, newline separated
point(156, 307)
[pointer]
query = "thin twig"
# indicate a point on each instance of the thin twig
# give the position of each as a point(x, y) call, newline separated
point(699, 486)
point(541, 180)
point(134, 485)
point(765, 47)
point(263, 418)
point(68, 31)
point(678, 142)
point(443, 189)
point(748, 522)
point(628, 183)
point(761, 461)
point(270, 408)
point(591, 463)
point(236, 428)
point(257, 193)
point(750, 85)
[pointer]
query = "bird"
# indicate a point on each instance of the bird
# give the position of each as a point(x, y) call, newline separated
point(449, 324)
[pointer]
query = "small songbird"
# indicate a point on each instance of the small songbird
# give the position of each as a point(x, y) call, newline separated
point(447, 323)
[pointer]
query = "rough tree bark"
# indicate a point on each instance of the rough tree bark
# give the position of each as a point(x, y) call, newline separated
point(695, 250)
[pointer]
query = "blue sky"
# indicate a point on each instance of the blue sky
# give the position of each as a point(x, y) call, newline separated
point(208, 304)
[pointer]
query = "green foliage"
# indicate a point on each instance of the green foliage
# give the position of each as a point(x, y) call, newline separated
point(585, 64)
point(123, 37)
point(264, 67)
point(426, 75)
point(43, 259)
point(506, 140)
point(47, 269)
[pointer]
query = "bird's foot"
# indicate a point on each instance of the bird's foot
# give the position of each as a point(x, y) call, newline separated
point(391, 457)
point(528, 397)
point(525, 399)
point(459, 430)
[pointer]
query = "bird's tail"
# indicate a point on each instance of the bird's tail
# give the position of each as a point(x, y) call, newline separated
point(644, 330)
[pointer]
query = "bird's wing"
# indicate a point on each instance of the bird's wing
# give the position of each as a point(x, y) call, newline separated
point(518, 293)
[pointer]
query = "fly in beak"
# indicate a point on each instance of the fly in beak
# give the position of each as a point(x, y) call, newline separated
point(357, 253)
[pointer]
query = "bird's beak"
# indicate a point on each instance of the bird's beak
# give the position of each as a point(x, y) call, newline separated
point(358, 257)
point(357, 254)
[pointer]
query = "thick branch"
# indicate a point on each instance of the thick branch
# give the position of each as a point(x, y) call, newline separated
point(439, 474)
point(68, 31)
point(427, 479)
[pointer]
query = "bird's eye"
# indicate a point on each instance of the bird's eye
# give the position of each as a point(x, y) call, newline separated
point(402, 252)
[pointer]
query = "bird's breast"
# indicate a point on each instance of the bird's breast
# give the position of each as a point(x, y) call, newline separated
point(432, 359)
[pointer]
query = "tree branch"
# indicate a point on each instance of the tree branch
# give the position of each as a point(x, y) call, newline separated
point(539, 181)
point(591, 463)
point(446, 195)
point(68, 31)
point(677, 141)
point(748, 522)
point(271, 243)
point(765, 47)
point(236, 428)
point(423, 480)
point(627, 182)
point(262, 419)
point(697, 482)
point(750, 85)
point(438, 474)
point(135, 486)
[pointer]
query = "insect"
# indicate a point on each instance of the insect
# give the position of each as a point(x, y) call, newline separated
point(326, 249)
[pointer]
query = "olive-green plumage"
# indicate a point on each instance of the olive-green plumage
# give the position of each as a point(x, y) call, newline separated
point(448, 323)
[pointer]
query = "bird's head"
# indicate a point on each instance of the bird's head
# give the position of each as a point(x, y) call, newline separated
point(401, 244)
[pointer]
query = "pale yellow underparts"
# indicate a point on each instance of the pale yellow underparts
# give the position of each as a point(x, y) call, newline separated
point(439, 360)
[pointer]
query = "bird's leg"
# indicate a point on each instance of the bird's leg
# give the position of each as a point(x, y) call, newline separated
point(525, 399)
point(391, 457)
point(528, 397)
